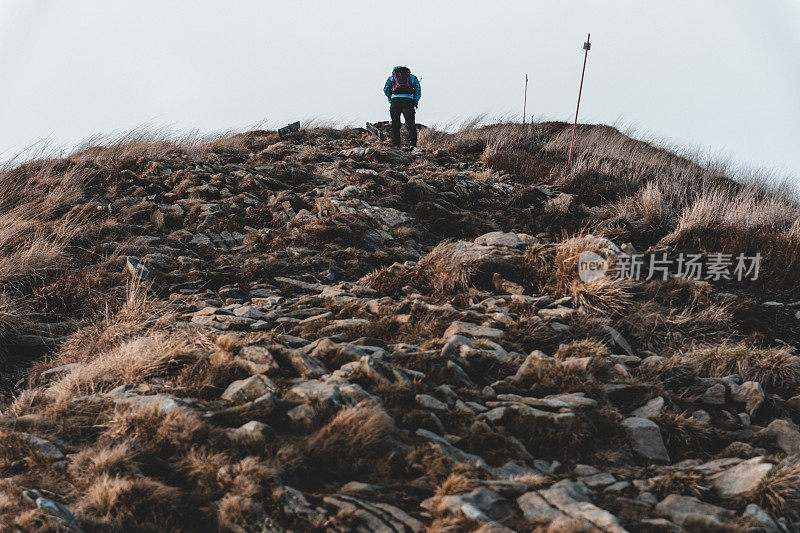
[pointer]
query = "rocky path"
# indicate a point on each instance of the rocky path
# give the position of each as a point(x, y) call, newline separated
point(395, 360)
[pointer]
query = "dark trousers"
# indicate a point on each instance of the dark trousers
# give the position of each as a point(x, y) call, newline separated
point(404, 106)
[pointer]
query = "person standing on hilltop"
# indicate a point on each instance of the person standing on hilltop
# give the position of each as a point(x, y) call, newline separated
point(403, 91)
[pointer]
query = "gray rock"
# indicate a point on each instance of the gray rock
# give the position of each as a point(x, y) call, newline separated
point(662, 525)
point(585, 470)
point(377, 517)
point(429, 402)
point(251, 312)
point(492, 527)
point(295, 503)
point(786, 435)
point(717, 465)
point(316, 390)
point(302, 416)
point(761, 519)
point(358, 151)
point(165, 402)
point(482, 505)
point(751, 394)
point(702, 416)
point(138, 270)
point(357, 488)
point(715, 395)
point(619, 486)
point(53, 508)
point(535, 361)
point(499, 238)
point(535, 509)
point(48, 449)
point(556, 313)
point(573, 499)
point(525, 412)
point(651, 409)
point(308, 366)
point(618, 339)
point(692, 514)
point(59, 371)
point(741, 478)
point(254, 432)
point(472, 330)
point(262, 406)
point(249, 389)
point(258, 357)
point(645, 437)
point(598, 480)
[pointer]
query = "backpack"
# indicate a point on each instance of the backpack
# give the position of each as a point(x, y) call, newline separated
point(401, 81)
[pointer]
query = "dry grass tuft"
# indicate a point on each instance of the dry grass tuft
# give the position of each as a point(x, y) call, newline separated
point(776, 369)
point(582, 348)
point(683, 435)
point(156, 431)
point(113, 460)
point(247, 477)
point(656, 325)
point(387, 280)
point(129, 501)
point(683, 483)
point(353, 438)
point(647, 211)
point(19, 456)
point(133, 361)
point(455, 484)
point(445, 270)
point(236, 513)
point(603, 296)
point(138, 314)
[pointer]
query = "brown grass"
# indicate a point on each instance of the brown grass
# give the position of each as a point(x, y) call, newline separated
point(130, 501)
point(351, 440)
point(113, 460)
point(582, 348)
point(134, 361)
point(776, 369)
point(236, 513)
point(656, 325)
point(602, 296)
point(159, 432)
point(138, 314)
point(683, 483)
point(683, 435)
point(445, 269)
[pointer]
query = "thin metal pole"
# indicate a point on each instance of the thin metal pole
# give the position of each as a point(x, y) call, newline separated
point(525, 101)
point(586, 46)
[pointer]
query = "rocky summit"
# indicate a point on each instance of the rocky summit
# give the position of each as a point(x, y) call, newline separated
point(321, 332)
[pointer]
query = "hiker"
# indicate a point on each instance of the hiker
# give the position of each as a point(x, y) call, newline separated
point(403, 91)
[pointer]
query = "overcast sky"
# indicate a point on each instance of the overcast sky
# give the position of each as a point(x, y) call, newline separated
point(721, 75)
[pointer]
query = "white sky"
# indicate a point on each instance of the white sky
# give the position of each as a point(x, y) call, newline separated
point(717, 74)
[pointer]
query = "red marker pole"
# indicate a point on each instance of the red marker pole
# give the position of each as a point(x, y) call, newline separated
point(586, 46)
point(525, 100)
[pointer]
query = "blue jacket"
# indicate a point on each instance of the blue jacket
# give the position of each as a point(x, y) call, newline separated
point(387, 90)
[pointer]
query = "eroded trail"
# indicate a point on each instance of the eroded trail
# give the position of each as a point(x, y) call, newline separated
point(326, 333)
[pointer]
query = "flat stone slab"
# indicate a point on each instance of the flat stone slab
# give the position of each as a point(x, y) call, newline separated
point(473, 330)
point(741, 478)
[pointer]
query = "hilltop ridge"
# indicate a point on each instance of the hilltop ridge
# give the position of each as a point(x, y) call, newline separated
point(321, 332)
